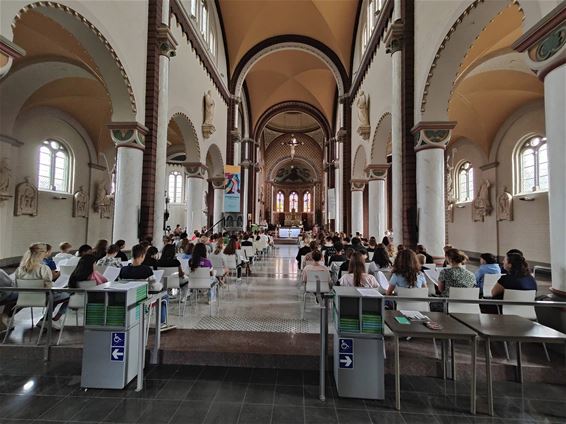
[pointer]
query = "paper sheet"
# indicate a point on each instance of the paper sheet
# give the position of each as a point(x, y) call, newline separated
point(382, 280)
point(111, 273)
point(158, 275)
point(369, 292)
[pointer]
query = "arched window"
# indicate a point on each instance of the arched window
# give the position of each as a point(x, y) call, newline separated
point(280, 202)
point(54, 173)
point(533, 165)
point(364, 37)
point(175, 187)
point(465, 182)
point(294, 202)
point(204, 18)
point(193, 7)
point(212, 40)
point(307, 201)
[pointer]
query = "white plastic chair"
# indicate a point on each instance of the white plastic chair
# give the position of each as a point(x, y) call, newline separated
point(173, 281)
point(310, 286)
point(249, 252)
point(67, 269)
point(525, 311)
point(489, 280)
point(231, 262)
point(76, 303)
point(464, 293)
point(409, 305)
point(200, 279)
point(28, 300)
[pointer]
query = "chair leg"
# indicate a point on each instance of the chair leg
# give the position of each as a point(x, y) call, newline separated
point(435, 348)
point(41, 329)
point(63, 327)
point(546, 352)
point(9, 326)
point(31, 309)
point(506, 351)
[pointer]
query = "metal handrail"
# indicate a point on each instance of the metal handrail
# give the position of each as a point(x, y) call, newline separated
point(207, 230)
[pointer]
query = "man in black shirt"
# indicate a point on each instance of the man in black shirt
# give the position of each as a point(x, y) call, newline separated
point(136, 270)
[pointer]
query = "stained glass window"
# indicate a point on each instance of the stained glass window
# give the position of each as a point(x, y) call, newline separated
point(307, 202)
point(280, 202)
point(294, 202)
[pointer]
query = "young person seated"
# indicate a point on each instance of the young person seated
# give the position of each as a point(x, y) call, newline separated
point(422, 250)
point(110, 258)
point(517, 251)
point(346, 265)
point(446, 249)
point(85, 249)
point(85, 272)
point(455, 275)
point(231, 251)
point(32, 268)
point(518, 276)
point(50, 262)
point(422, 262)
point(406, 272)
point(121, 245)
point(303, 251)
point(7, 300)
point(381, 257)
point(99, 250)
point(169, 260)
point(308, 257)
point(338, 256)
point(136, 270)
point(200, 260)
point(357, 276)
point(372, 244)
point(151, 255)
point(488, 265)
point(315, 265)
point(64, 252)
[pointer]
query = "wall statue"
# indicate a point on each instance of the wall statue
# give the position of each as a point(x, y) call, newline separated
point(104, 203)
point(362, 104)
point(80, 203)
point(505, 206)
point(5, 178)
point(481, 206)
point(450, 199)
point(26, 199)
point(208, 126)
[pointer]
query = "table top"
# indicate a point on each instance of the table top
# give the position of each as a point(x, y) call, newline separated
point(509, 327)
point(451, 328)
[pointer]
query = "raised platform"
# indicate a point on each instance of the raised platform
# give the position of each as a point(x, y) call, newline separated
point(289, 241)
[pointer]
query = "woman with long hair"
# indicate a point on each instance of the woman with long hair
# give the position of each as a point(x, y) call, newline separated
point(32, 268)
point(100, 249)
point(85, 272)
point(406, 272)
point(199, 259)
point(518, 276)
point(357, 276)
point(230, 250)
point(168, 259)
point(381, 257)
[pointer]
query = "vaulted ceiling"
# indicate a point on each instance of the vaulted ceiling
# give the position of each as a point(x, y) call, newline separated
point(290, 74)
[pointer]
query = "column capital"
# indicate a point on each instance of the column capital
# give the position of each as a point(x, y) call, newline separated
point(195, 169)
point(10, 50)
point(217, 182)
point(166, 42)
point(395, 37)
point(341, 134)
point(432, 134)
point(358, 184)
point(235, 135)
point(377, 172)
point(545, 43)
point(128, 134)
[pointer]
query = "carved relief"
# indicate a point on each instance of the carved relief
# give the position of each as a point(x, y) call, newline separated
point(26, 199)
point(80, 203)
point(362, 104)
point(505, 206)
point(104, 203)
point(208, 127)
point(5, 179)
point(481, 206)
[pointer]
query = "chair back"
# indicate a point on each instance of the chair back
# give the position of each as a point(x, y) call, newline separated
point(489, 280)
point(184, 264)
point(322, 276)
point(520, 310)
point(217, 262)
point(382, 280)
point(30, 299)
point(100, 268)
point(230, 261)
point(464, 293)
point(200, 278)
point(170, 277)
point(366, 266)
point(77, 300)
point(406, 305)
point(67, 269)
point(249, 251)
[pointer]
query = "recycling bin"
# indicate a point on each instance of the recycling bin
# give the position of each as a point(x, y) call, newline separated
point(358, 343)
point(112, 334)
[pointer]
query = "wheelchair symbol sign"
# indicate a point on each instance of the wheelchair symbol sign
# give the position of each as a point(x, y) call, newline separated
point(346, 346)
point(118, 339)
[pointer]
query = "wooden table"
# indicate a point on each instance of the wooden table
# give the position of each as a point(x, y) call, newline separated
point(452, 330)
point(507, 328)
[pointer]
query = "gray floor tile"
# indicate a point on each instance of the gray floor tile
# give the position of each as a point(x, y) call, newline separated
point(175, 390)
point(289, 395)
point(96, 409)
point(353, 416)
point(190, 412)
point(288, 415)
point(223, 413)
point(255, 414)
point(231, 392)
point(260, 394)
point(320, 415)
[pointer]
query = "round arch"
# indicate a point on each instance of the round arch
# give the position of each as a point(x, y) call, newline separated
point(294, 106)
point(381, 138)
point(289, 42)
point(299, 160)
point(360, 163)
point(214, 162)
point(113, 73)
point(189, 135)
point(446, 62)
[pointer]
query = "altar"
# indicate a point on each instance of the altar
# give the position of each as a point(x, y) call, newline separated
point(289, 232)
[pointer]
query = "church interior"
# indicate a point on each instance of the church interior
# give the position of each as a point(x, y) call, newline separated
point(230, 163)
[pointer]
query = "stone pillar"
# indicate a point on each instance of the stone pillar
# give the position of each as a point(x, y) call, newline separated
point(377, 206)
point(194, 195)
point(431, 139)
point(357, 218)
point(545, 48)
point(167, 45)
point(129, 140)
point(394, 45)
point(218, 185)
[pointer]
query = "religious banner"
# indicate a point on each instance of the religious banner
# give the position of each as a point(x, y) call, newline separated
point(232, 188)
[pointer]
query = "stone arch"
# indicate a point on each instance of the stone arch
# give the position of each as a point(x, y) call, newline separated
point(114, 76)
point(450, 54)
point(289, 42)
point(360, 163)
point(299, 160)
point(189, 134)
point(381, 139)
point(307, 108)
point(214, 162)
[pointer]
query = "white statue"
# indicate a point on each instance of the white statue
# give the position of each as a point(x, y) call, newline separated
point(208, 108)
point(505, 206)
point(363, 109)
point(5, 176)
point(481, 207)
point(80, 203)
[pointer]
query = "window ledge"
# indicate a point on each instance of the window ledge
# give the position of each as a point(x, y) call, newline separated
point(463, 204)
point(55, 193)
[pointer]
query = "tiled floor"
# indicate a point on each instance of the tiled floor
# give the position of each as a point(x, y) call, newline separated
point(191, 394)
